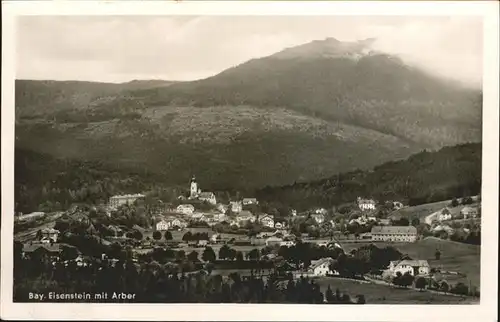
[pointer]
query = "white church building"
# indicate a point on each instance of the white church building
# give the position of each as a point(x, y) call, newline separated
point(196, 193)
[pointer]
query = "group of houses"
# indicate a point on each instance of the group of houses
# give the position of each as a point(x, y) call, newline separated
point(466, 212)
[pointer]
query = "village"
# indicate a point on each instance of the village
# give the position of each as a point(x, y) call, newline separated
point(199, 233)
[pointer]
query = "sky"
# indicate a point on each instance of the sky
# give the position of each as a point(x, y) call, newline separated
point(124, 48)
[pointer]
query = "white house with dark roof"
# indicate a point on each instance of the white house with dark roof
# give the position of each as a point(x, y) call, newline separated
point(469, 212)
point(208, 197)
point(394, 233)
point(186, 209)
point(413, 267)
point(249, 201)
point(445, 214)
point(267, 221)
point(236, 206)
point(116, 201)
point(321, 267)
point(366, 204)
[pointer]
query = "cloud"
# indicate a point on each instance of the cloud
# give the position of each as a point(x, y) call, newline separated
point(121, 48)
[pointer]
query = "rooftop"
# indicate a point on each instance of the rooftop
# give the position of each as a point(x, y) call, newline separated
point(413, 262)
point(394, 230)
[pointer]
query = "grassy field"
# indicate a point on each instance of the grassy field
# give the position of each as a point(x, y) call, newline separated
point(458, 257)
point(384, 294)
point(420, 211)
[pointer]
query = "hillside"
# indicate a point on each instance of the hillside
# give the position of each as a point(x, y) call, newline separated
point(302, 114)
point(422, 178)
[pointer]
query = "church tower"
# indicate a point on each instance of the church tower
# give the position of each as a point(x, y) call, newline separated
point(193, 191)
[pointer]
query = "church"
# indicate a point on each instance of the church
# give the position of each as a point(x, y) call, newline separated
point(196, 193)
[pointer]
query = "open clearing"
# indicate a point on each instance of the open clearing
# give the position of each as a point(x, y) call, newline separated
point(385, 294)
point(456, 257)
point(420, 211)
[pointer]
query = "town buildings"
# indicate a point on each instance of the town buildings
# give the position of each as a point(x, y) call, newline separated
point(469, 212)
point(394, 233)
point(249, 201)
point(445, 214)
point(366, 204)
point(208, 197)
point(267, 221)
point(117, 201)
point(321, 267)
point(186, 209)
point(162, 225)
point(196, 193)
point(49, 235)
point(318, 217)
point(413, 267)
point(236, 206)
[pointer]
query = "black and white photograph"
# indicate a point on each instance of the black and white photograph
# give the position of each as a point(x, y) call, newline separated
point(249, 159)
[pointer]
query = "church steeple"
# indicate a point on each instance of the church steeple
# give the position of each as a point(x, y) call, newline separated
point(193, 189)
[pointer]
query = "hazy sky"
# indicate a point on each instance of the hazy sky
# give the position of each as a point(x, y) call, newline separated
point(117, 49)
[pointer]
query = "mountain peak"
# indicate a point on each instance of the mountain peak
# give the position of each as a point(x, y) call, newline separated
point(327, 48)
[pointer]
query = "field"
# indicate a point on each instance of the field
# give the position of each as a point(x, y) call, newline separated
point(420, 211)
point(457, 257)
point(384, 294)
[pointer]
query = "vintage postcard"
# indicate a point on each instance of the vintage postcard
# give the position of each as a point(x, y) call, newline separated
point(249, 160)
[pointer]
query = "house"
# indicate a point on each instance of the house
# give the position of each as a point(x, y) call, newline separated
point(42, 250)
point(267, 221)
point(366, 204)
point(162, 225)
point(236, 206)
point(445, 214)
point(445, 228)
point(318, 217)
point(396, 205)
point(271, 241)
point(222, 208)
point(320, 211)
point(215, 238)
point(115, 230)
point(280, 224)
point(116, 201)
point(321, 267)
point(234, 223)
point(198, 216)
point(49, 235)
point(293, 212)
point(469, 212)
point(177, 223)
point(287, 243)
point(413, 267)
point(208, 197)
point(186, 209)
point(250, 201)
point(245, 215)
point(394, 233)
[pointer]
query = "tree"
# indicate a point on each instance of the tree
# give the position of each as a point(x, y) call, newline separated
point(181, 255)
point(329, 295)
point(454, 202)
point(420, 283)
point(253, 254)
point(444, 287)
point(224, 252)
point(437, 254)
point(239, 256)
point(168, 235)
point(156, 235)
point(361, 299)
point(208, 254)
point(415, 222)
point(460, 288)
point(187, 237)
point(193, 256)
point(138, 235)
point(407, 279)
